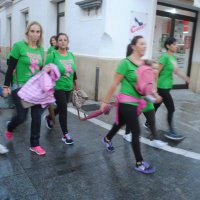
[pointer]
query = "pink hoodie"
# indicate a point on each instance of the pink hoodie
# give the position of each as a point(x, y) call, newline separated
point(40, 88)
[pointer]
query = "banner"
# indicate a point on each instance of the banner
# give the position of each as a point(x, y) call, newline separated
point(138, 24)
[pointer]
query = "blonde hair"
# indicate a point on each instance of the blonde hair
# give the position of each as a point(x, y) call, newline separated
point(39, 42)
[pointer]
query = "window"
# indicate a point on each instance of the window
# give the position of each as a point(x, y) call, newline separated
point(9, 30)
point(61, 17)
point(24, 20)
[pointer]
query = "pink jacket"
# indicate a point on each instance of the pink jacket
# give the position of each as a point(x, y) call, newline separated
point(40, 88)
point(122, 98)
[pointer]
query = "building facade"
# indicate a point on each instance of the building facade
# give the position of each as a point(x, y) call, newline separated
point(100, 30)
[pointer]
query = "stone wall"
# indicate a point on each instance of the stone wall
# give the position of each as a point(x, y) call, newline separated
point(86, 71)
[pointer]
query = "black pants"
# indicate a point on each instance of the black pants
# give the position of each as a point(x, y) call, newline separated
point(21, 116)
point(150, 117)
point(62, 98)
point(169, 103)
point(128, 116)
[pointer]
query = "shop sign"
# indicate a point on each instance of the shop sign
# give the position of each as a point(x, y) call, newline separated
point(138, 24)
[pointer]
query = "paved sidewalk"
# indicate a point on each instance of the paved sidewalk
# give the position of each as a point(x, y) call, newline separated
point(86, 171)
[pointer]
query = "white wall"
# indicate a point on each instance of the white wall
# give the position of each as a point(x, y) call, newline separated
point(84, 31)
point(118, 22)
point(107, 34)
point(45, 14)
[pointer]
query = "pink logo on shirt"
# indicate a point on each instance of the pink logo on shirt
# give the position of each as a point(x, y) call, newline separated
point(34, 65)
point(68, 69)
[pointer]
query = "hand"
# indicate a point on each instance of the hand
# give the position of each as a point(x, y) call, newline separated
point(47, 69)
point(187, 80)
point(158, 98)
point(6, 91)
point(102, 107)
point(76, 88)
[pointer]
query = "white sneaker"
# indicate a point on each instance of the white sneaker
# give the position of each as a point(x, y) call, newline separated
point(128, 137)
point(3, 149)
point(158, 143)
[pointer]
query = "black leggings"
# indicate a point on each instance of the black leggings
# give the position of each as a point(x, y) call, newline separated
point(128, 116)
point(21, 116)
point(169, 103)
point(150, 117)
point(62, 98)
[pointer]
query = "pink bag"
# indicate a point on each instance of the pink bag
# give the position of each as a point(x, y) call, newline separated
point(145, 76)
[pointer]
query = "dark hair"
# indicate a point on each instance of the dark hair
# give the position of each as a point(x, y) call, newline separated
point(52, 37)
point(169, 41)
point(59, 34)
point(134, 41)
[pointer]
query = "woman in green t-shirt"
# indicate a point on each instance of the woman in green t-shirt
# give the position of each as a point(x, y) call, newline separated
point(25, 60)
point(52, 43)
point(128, 102)
point(149, 114)
point(66, 63)
point(168, 67)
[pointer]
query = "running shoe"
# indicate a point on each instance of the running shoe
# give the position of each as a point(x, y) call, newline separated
point(3, 149)
point(128, 137)
point(108, 143)
point(173, 136)
point(38, 150)
point(158, 143)
point(9, 135)
point(146, 125)
point(67, 139)
point(49, 122)
point(145, 168)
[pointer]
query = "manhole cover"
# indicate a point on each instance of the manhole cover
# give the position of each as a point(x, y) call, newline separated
point(90, 107)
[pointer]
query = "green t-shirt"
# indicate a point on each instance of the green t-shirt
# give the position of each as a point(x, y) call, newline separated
point(50, 49)
point(165, 79)
point(149, 106)
point(128, 69)
point(26, 56)
point(67, 67)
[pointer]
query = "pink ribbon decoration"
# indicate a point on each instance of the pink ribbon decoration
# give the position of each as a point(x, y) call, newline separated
point(69, 70)
point(34, 65)
point(122, 98)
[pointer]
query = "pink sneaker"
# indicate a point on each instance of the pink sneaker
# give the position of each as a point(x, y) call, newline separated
point(39, 150)
point(9, 135)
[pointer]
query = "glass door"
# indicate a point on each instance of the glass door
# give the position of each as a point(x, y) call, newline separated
point(162, 31)
point(181, 24)
point(183, 33)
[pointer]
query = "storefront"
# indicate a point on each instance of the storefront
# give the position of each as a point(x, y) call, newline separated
point(99, 31)
point(180, 23)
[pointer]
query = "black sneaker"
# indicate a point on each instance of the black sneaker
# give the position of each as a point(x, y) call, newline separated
point(67, 139)
point(109, 146)
point(173, 136)
point(49, 122)
point(146, 125)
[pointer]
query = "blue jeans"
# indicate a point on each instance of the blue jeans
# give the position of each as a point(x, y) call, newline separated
point(21, 116)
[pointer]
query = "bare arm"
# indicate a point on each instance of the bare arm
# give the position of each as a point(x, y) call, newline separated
point(184, 77)
point(156, 75)
point(76, 85)
point(111, 90)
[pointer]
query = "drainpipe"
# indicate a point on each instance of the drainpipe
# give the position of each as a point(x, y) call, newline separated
point(96, 84)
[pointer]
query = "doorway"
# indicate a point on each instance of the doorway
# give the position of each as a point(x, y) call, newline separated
point(181, 24)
